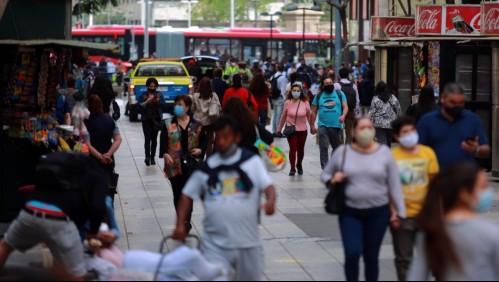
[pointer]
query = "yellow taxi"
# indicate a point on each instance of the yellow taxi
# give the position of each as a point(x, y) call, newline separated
point(172, 76)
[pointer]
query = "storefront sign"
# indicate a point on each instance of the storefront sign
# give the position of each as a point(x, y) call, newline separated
point(490, 18)
point(392, 27)
point(452, 20)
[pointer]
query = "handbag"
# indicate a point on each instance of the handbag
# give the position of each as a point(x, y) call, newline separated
point(274, 157)
point(335, 199)
point(290, 130)
point(214, 108)
point(188, 164)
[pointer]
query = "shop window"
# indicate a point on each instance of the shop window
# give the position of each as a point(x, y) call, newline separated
point(476, 81)
point(484, 82)
point(464, 74)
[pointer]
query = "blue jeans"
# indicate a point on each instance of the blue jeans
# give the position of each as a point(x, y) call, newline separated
point(262, 117)
point(278, 108)
point(362, 232)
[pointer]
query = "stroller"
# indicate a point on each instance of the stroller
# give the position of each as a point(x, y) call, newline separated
point(181, 264)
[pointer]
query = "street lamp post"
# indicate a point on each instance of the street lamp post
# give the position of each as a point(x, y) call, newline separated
point(189, 9)
point(295, 8)
point(271, 27)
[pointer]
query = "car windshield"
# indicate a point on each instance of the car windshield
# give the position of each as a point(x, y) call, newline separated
point(160, 70)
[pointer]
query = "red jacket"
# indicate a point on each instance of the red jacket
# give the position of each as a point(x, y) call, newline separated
point(242, 94)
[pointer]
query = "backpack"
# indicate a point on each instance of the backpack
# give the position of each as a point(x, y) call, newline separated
point(275, 92)
point(116, 110)
point(339, 96)
point(351, 95)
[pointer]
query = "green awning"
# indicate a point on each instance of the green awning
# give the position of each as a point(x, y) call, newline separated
point(68, 43)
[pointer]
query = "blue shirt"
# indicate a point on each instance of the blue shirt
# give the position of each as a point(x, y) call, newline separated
point(330, 109)
point(62, 108)
point(446, 137)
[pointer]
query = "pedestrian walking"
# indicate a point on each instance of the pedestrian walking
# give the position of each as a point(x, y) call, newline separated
point(237, 90)
point(417, 165)
point(250, 128)
point(70, 190)
point(230, 184)
point(384, 110)
point(372, 185)
point(330, 105)
point(207, 109)
point(426, 104)
point(103, 88)
point(455, 243)
point(103, 139)
point(218, 84)
point(183, 145)
point(352, 97)
point(296, 115)
point(261, 92)
point(278, 93)
point(151, 103)
point(454, 133)
point(367, 91)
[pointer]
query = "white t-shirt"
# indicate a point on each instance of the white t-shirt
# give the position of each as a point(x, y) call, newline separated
point(231, 214)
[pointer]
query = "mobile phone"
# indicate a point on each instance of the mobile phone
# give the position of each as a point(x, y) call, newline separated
point(471, 139)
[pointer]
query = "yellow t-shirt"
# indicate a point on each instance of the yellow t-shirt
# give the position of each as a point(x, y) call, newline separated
point(415, 171)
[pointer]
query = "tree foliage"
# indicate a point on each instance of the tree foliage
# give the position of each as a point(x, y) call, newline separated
point(92, 6)
point(219, 10)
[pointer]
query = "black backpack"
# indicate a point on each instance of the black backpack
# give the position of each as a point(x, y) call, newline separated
point(275, 92)
point(116, 111)
point(351, 95)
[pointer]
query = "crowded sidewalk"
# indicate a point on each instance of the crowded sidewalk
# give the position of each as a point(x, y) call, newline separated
point(301, 242)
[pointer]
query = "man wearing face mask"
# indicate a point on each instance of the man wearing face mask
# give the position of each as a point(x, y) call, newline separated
point(417, 165)
point(332, 108)
point(454, 133)
point(232, 68)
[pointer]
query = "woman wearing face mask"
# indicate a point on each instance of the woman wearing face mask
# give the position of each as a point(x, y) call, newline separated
point(455, 244)
point(183, 145)
point(372, 184)
point(152, 103)
point(296, 112)
point(385, 108)
point(417, 165)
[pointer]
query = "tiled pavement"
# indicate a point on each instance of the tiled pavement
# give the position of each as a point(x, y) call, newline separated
point(300, 241)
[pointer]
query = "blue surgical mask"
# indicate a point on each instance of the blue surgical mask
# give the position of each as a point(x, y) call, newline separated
point(178, 111)
point(409, 141)
point(296, 95)
point(485, 201)
point(230, 152)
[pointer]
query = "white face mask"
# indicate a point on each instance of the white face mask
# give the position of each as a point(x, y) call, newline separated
point(296, 95)
point(365, 137)
point(409, 141)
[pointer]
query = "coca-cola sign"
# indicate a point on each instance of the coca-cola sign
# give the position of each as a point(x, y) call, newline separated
point(452, 20)
point(490, 18)
point(392, 27)
point(429, 20)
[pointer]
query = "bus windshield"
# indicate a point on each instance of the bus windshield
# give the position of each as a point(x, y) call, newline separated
point(160, 70)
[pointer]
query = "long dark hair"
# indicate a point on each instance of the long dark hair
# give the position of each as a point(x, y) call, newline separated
point(104, 89)
point(237, 81)
point(426, 101)
point(204, 89)
point(382, 92)
point(95, 105)
point(236, 109)
point(443, 195)
point(258, 86)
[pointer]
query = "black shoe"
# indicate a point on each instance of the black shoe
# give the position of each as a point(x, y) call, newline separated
point(153, 161)
point(300, 170)
point(292, 172)
point(148, 161)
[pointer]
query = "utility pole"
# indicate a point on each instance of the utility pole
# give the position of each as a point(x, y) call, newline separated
point(232, 13)
point(256, 13)
point(338, 42)
point(146, 30)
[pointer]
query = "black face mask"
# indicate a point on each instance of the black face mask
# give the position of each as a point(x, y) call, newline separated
point(454, 112)
point(329, 89)
point(151, 90)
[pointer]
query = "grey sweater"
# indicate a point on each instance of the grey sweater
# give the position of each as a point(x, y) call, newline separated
point(476, 243)
point(372, 178)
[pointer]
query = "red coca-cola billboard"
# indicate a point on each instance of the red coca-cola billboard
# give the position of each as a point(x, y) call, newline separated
point(392, 27)
point(452, 20)
point(490, 18)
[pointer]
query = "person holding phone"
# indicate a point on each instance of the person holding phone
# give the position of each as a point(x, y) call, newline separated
point(455, 134)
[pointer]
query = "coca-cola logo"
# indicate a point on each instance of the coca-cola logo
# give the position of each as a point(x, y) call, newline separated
point(491, 20)
point(428, 19)
point(394, 28)
point(476, 22)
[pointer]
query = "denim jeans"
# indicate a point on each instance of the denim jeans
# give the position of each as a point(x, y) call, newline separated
point(328, 136)
point(262, 117)
point(278, 108)
point(362, 232)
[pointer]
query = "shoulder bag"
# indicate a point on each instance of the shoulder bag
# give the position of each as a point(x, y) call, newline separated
point(335, 199)
point(290, 130)
point(214, 109)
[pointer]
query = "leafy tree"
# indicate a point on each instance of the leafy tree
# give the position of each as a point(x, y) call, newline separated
point(219, 10)
point(92, 6)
